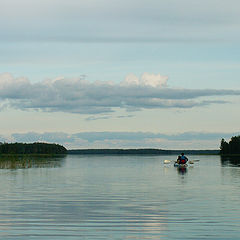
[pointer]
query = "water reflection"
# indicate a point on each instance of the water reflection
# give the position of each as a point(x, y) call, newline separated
point(24, 161)
point(92, 197)
point(230, 161)
point(182, 170)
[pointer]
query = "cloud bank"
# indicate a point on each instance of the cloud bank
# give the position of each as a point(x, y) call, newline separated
point(186, 140)
point(77, 95)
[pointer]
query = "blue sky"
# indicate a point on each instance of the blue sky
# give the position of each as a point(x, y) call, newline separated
point(162, 69)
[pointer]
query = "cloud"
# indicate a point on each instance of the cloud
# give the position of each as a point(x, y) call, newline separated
point(77, 95)
point(103, 20)
point(147, 79)
point(187, 140)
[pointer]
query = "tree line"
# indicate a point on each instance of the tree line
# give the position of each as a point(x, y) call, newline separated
point(32, 148)
point(231, 147)
point(145, 151)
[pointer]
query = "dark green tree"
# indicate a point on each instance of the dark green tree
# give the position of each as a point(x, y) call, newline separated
point(224, 147)
point(32, 148)
point(233, 147)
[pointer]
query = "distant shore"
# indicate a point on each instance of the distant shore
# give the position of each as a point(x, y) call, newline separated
point(38, 148)
point(144, 151)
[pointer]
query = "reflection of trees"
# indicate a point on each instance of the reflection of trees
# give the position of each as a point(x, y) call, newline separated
point(23, 162)
point(230, 160)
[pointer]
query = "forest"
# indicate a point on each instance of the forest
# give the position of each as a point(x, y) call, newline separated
point(31, 148)
point(231, 147)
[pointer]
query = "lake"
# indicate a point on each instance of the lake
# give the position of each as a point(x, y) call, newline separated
point(119, 197)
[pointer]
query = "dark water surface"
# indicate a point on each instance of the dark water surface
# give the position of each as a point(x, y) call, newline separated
point(119, 197)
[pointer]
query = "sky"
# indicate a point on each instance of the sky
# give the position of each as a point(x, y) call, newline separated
point(120, 74)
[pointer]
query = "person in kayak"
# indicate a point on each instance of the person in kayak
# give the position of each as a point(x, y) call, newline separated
point(178, 159)
point(182, 159)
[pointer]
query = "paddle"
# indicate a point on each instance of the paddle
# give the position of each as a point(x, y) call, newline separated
point(169, 161)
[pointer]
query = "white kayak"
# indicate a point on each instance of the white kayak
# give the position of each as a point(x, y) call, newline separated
point(177, 164)
point(180, 165)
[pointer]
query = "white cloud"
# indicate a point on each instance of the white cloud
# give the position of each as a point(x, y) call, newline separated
point(147, 79)
point(154, 80)
point(77, 95)
point(131, 79)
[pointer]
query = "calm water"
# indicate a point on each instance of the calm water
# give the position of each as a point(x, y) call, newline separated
point(119, 197)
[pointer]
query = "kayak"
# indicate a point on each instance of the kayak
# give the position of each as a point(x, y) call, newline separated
point(180, 165)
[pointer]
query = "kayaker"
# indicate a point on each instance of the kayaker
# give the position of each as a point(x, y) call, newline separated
point(183, 159)
point(178, 159)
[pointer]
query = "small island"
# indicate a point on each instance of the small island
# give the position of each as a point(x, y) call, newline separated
point(32, 148)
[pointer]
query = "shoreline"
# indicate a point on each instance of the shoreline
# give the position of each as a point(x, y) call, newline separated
point(144, 151)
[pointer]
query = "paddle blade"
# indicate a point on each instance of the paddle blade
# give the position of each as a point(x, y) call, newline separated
point(167, 161)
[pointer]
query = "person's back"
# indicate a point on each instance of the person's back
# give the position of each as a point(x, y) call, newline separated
point(183, 159)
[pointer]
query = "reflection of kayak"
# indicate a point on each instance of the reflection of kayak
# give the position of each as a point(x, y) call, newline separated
point(180, 165)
